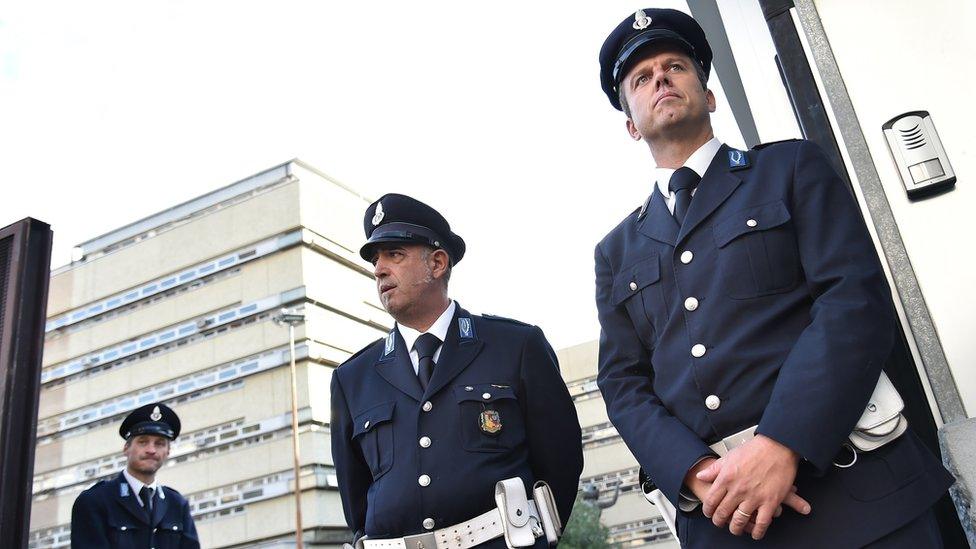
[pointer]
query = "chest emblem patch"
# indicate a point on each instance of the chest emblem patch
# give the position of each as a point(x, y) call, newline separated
point(490, 422)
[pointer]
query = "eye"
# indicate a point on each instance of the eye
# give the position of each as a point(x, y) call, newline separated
point(676, 67)
point(641, 80)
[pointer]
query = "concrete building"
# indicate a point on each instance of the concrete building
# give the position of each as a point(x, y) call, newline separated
point(607, 463)
point(178, 307)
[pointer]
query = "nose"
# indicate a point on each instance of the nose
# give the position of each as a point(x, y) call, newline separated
point(380, 269)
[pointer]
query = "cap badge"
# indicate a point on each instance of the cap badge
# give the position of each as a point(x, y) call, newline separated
point(378, 216)
point(641, 20)
point(156, 415)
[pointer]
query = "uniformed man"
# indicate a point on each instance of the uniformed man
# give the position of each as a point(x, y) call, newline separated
point(427, 420)
point(132, 510)
point(744, 314)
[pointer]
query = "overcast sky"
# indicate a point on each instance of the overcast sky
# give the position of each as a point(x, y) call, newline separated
point(492, 113)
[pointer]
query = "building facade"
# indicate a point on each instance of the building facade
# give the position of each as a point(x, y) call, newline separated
point(607, 463)
point(179, 307)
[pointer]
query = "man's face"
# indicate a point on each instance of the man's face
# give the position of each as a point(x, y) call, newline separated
point(665, 97)
point(146, 454)
point(404, 277)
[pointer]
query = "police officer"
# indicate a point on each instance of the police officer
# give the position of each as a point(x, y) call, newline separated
point(133, 510)
point(427, 420)
point(745, 315)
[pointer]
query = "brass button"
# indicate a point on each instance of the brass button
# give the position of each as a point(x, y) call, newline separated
point(687, 256)
point(366, 425)
point(633, 286)
point(469, 388)
point(429, 523)
point(425, 442)
point(424, 480)
point(698, 351)
point(712, 402)
point(691, 303)
point(427, 406)
point(752, 223)
point(486, 396)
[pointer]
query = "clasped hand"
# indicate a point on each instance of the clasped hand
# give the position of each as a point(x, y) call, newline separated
point(747, 488)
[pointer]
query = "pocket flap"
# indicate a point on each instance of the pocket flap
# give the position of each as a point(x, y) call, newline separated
point(368, 420)
point(756, 218)
point(634, 278)
point(483, 392)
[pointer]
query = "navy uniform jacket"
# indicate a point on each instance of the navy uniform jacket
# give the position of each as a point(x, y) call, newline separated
point(380, 413)
point(108, 515)
point(769, 303)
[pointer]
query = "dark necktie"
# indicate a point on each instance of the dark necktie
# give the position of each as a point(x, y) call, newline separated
point(146, 495)
point(426, 345)
point(683, 181)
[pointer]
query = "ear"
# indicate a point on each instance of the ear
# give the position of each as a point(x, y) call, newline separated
point(632, 130)
point(710, 100)
point(439, 262)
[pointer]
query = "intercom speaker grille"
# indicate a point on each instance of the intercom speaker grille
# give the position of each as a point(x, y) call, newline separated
point(912, 138)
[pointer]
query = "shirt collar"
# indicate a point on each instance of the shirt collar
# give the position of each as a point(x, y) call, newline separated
point(698, 161)
point(137, 484)
point(439, 328)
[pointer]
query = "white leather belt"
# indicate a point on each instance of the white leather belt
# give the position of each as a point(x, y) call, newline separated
point(732, 442)
point(482, 528)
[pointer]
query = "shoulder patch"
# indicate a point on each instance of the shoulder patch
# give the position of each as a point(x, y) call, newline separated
point(361, 351)
point(764, 145)
point(505, 319)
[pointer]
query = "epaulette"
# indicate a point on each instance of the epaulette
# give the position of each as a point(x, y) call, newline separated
point(361, 351)
point(764, 145)
point(505, 319)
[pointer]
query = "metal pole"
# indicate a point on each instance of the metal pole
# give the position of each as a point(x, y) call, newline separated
point(299, 543)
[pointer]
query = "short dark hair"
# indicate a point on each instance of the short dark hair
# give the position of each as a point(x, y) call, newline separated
point(622, 90)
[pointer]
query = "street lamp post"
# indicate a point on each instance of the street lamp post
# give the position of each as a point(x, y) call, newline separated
point(292, 318)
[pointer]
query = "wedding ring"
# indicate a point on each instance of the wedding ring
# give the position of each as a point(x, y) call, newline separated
point(743, 513)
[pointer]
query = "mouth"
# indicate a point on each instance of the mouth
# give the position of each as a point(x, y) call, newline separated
point(386, 288)
point(665, 95)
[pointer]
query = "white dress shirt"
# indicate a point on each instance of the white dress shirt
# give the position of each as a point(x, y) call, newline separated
point(438, 328)
point(137, 485)
point(698, 161)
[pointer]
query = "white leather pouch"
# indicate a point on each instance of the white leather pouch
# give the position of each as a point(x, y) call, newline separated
point(513, 506)
point(882, 420)
point(545, 504)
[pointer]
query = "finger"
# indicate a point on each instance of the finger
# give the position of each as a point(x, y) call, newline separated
point(764, 517)
point(708, 474)
point(778, 512)
point(741, 516)
point(723, 513)
point(798, 504)
point(712, 499)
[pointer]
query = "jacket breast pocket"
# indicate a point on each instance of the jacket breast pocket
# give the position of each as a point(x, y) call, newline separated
point(491, 418)
point(373, 430)
point(638, 288)
point(169, 535)
point(757, 251)
point(125, 534)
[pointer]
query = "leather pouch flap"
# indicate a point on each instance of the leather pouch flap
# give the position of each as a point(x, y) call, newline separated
point(368, 420)
point(545, 505)
point(756, 218)
point(513, 505)
point(636, 277)
point(884, 406)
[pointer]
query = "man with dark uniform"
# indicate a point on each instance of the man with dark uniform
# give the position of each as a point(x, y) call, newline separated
point(427, 420)
point(132, 510)
point(745, 321)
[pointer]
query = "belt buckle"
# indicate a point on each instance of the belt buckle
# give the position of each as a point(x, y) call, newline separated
point(420, 541)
